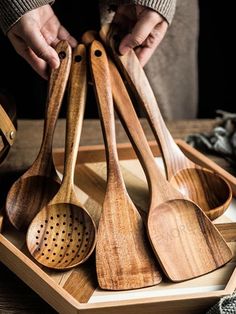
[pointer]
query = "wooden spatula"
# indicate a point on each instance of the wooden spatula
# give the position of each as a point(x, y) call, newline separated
point(124, 259)
point(185, 241)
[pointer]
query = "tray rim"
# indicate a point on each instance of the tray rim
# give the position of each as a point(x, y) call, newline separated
point(96, 153)
point(229, 288)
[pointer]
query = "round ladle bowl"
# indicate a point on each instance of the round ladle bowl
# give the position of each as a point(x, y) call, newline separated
point(36, 187)
point(41, 190)
point(209, 190)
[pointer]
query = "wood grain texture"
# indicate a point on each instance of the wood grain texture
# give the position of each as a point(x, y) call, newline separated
point(210, 191)
point(8, 124)
point(40, 182)
point(7, 127)
point(205, 162)
point(63, 234)
point(82, 282)
point(123, 256)
point(24, 301)
point(184, 240)
point(228, 231)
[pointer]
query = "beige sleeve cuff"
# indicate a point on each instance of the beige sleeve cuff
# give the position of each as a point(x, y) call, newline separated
point(164, 7)
point(12, 10)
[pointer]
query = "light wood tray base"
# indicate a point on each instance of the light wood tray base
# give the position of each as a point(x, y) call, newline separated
point(76, 291)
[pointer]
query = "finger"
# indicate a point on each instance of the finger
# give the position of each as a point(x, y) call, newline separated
point(52, 40)
point(140, 32)
point(145, 51)
point(36, 41)
point(63, 34)
point(38, 64)
point(144, 54)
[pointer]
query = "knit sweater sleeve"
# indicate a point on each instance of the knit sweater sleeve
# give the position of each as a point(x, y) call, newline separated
point(12, 10)
point(164, 7)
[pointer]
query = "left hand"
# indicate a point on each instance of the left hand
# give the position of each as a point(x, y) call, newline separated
point(146, 29)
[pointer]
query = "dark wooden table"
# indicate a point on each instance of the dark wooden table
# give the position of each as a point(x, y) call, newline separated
point(15, 296)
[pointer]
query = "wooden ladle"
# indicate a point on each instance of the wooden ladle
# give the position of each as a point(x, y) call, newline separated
point(124, 259)
point(209, 190)
point(63, 234)
point(40, 182)
point(184, 239)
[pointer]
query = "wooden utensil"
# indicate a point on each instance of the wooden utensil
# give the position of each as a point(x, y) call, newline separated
point(63, 234)
point(209, 190)
point(123, 257)
point(40, 182)
point(185, 241)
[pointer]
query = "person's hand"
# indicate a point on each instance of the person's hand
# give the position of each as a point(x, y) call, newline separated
point(146, 28)
point(35, 35)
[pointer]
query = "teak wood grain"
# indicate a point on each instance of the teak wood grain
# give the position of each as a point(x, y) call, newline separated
point(210, 191)
point(63, 234)
point(40, 182)
point(71, 301)
point(124, 259)
point(185, 241)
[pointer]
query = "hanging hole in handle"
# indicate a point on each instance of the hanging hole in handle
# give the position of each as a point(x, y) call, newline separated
point(78, 58)
point(62, 55)
point(98, 53)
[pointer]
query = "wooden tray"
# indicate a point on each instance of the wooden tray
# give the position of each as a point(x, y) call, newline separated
point(76, 291)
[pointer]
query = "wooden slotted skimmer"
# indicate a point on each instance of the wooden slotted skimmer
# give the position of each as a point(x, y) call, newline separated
point(63, 234)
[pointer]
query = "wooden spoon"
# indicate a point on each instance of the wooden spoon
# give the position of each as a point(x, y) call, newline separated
point(209, 190)
point(63, 234)
point(123, 257)
point(185, 241)
point(40, 182)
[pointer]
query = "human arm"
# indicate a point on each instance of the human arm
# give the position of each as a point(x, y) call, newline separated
point(34, 32)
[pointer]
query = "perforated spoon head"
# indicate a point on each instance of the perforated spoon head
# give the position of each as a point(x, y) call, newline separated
point(61, 236)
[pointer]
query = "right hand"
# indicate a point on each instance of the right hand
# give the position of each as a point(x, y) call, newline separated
point(34, 37)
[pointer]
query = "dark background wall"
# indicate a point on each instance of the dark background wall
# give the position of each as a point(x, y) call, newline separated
point(216, 61)
point(216, 57)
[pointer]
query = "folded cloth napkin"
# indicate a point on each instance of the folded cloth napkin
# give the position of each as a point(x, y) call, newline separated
point(226, 305)
point(221, 140)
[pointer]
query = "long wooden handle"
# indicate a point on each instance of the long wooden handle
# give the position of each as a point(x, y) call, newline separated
point(136, 134)
point(102, 86)
point(138, 82)
point(56, 88)
point(75, 112)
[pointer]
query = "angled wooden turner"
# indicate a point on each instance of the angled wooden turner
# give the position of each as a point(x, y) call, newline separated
point(209, 190)
point(185, 241)
point(124, 259)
